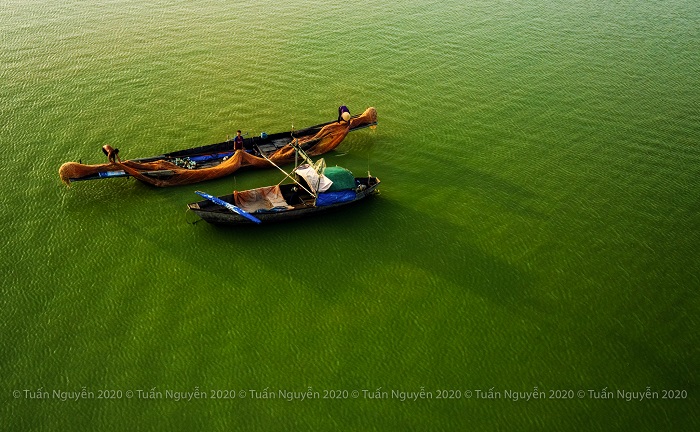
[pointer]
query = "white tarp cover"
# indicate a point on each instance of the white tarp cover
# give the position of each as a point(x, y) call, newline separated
point(265, 198)
point(316, 183)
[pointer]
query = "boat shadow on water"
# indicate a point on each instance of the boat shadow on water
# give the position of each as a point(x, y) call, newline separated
point(449, 257)
point(382, 241)
point(371, 243)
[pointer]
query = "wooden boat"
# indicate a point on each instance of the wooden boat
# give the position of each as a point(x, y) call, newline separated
point(219, 160)
point(315, 189)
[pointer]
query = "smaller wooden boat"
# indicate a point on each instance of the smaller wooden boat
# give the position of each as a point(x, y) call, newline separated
point(315, 189)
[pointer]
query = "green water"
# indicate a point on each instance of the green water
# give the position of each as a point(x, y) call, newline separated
point(538, 225)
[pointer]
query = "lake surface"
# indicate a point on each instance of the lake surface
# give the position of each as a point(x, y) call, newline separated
point(536, 237)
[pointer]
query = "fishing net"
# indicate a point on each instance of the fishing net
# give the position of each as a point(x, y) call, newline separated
point(327, 139)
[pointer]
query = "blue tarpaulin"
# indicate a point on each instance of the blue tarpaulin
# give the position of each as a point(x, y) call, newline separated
point(329, 198)
point(205, 158)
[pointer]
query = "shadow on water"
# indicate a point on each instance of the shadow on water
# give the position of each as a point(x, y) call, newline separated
point(447, 252)
point(454, 180)
point(374, 243)
point(509, 195)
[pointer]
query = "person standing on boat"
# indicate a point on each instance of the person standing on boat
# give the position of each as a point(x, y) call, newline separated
point(111, 153)
point(238, 141)
point(343, 113)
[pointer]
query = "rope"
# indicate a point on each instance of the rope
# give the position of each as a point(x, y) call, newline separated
point(191, 223)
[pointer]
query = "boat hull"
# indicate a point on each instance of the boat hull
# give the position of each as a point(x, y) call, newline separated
point(219, 215)
point(220, 160)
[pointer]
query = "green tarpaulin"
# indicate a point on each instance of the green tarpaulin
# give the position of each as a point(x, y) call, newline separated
point(342, 179)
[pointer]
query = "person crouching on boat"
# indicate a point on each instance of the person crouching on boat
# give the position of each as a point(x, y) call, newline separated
point(343, 113)
point(111, 153)
point(238, 141)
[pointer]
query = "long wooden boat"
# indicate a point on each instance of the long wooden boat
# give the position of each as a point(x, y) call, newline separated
point(219, 160)
point(315, 189)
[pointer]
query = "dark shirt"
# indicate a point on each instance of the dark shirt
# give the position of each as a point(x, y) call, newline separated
point(238, 142)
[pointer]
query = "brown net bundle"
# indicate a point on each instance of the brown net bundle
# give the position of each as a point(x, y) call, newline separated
point(327, 139)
